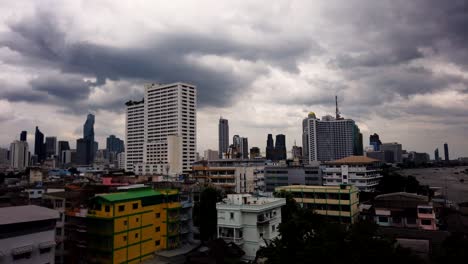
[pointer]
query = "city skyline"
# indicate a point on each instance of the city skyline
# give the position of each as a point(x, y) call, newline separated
point(405, 85)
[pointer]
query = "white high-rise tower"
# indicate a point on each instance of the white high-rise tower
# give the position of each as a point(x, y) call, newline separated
point(161, 130)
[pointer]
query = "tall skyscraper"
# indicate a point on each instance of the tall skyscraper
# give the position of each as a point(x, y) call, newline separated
point(161, 130)
point(327, 139)
point(446, 153)
point(296, 152)
point(436, 155)
point(24, 136)
point(83, 149)
point(223, 137)
point(63, 146)
point(244, 148)
point(51, 146)
point(358, 147)
point(114, 144)
point(19, 155)
point(374, 141)
point(270, 148)
point(88, 127)
point(280, 147)
point(39, 146)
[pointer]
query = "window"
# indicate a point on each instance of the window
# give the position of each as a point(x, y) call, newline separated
point(136, 235)
point(124, 238)
point(121, 208)
point(45, 250)
point(58, 231)
point(273, 228)
point(383, 219)
point(411, 221)
point(157, 229)
point(232, 216)
point(125, 222)
point(135, 206)
point(158, 215)
point(22, 256)
point(426, 222)
point(107, 208)
point(157, 242)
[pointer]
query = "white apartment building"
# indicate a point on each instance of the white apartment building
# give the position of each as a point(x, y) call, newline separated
point(161, 130)
point(121, 160)
point(328, 139)
point(19, 154)
point(361, 171)
point(248, 221)
point(27, 234)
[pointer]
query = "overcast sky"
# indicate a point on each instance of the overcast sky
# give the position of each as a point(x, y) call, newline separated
point(398, 67)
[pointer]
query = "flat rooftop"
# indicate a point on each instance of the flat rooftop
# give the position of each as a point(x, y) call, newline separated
point(26, 213)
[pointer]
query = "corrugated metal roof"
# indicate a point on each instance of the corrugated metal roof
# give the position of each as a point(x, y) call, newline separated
point(134, 194)
point(26, 213)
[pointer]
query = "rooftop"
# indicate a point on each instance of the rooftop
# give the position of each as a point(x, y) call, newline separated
point(354, 160)
point(316, 187)
point(131, 194)
point(26, 213)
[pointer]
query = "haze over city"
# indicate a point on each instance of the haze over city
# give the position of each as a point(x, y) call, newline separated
point(398, 67)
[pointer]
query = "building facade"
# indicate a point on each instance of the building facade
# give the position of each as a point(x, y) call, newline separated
point(360, 171)
point(396, 149)
point(129, 226)
point(39, 147)
point(114, 144)
point(285, 175)
point(167, 139)
point(329, 138)
point(210, 154)
point(338, 203)
point(27, 234)
point(19, 155)
point(404, 210)
point(249, 221)
point(223, 137)
point(446, 153)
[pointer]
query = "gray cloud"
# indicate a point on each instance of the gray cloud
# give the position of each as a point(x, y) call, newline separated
point(162, 59)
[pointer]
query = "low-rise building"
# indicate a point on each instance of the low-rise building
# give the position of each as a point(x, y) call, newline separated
point(249, 221)
point(57, 201)
point(27, 234)
point(406, 210)
point(284, 175)
point(238, 177)
point(361, 171)
point(338, 203)
point(130, 225)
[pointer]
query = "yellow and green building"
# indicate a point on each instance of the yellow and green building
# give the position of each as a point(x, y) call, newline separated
point(340, 203)
point(129, 226)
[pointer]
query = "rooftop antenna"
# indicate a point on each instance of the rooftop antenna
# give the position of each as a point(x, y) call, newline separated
point(338, 116)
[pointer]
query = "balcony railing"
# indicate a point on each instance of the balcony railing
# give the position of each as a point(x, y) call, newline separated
point(236, 240)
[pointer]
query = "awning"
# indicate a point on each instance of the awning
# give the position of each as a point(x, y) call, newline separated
point(48, 244)
point(22, 250)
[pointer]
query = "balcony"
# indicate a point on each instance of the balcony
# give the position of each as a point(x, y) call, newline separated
point(262, 220)
point(237, 240)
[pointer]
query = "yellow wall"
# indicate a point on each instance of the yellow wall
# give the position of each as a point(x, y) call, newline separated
point(135, 229)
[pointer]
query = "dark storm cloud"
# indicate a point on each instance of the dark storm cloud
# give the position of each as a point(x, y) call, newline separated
point(62, 87)
point(163, 59)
